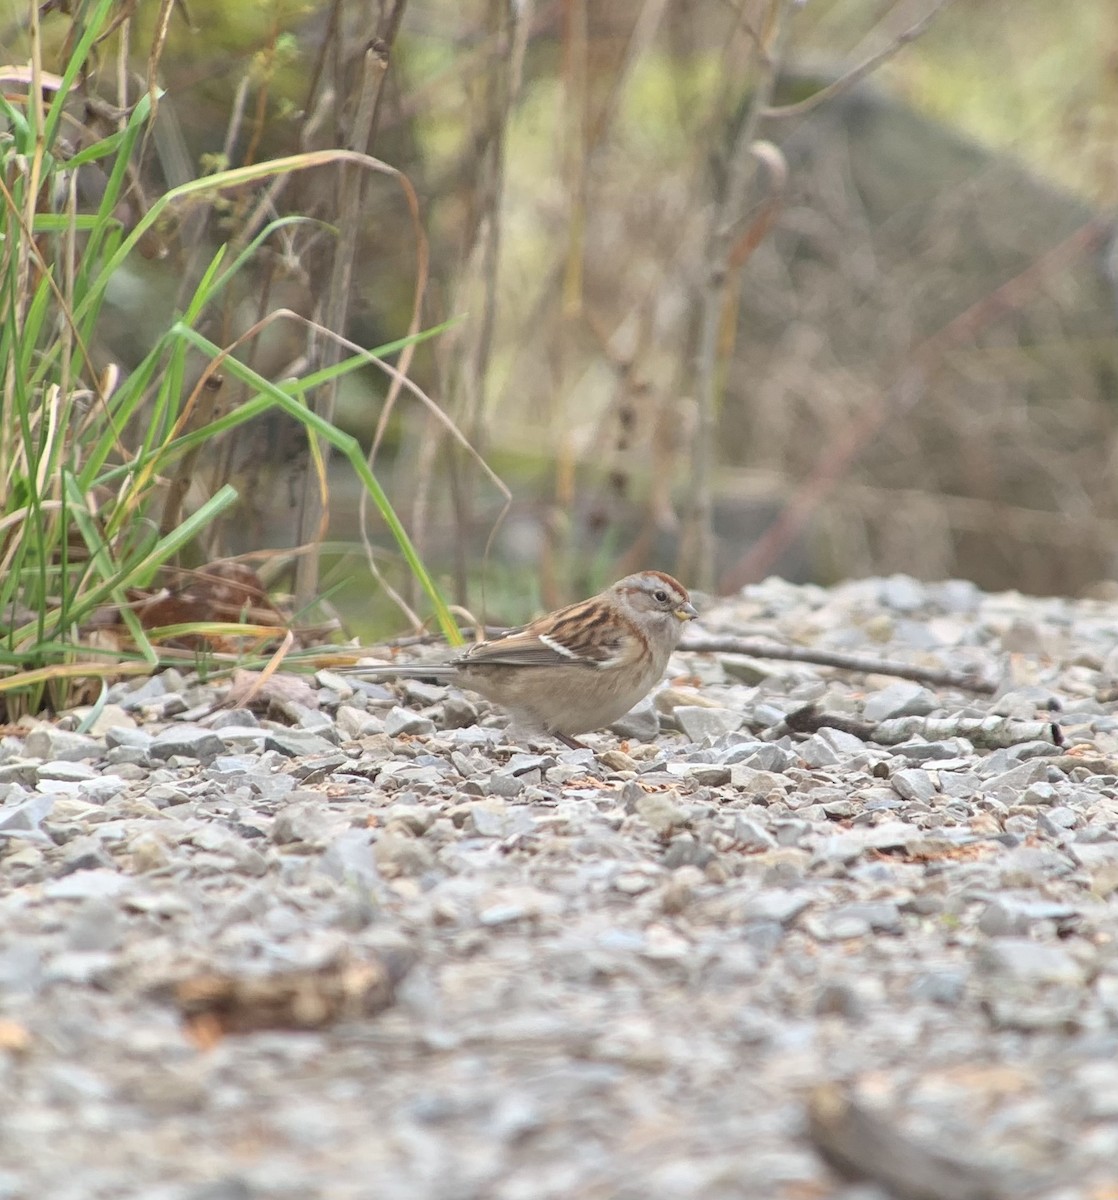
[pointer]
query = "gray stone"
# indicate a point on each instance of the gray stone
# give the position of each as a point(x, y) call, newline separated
point(186, 741)
point(229, 767)
point(704, 774)
point(741, 748)
point(946, 755)
point(86, 854)
point(961, 785)
point(395, 855)
point(817, 751)
point(19, 772)
point(235, 738)
point(22, 820)
point(96, 926)
point(751, 836)
point(302, 823)
point(128, 736)
point(349, 858)
point(891, 835)
point(87, 885)
point(661, 812)
point(1021, 960)
point(20, 969)
point(522, 764)
point(791, 833)
point(81, 967)
point(900, 699)
point(686, 850)
point(317, 767)
point(133, 693)
point(297, 743)
point(913, 784)
point(777, 905)
point(235, 719)
point(487, 819)
point(1007, 915)
point(641, 724)
point(774, 758)
point(1041, 793)
point(102, 788)
point(1098, 1083)
point(68, 772)
point(218, 839)
point(944, 986)
point(699, 722)
point(124, 758)
point(51, 744)
point(1091, 855)
point(1014, 781)
point(399, 721)
point(844, 744)
point(902, 593)
point(581, 948)
point(354, 723)
point(307, 719)
point(881, 916)
point(837, 927)
point(57, 787)
point(457, 712)
point(505, 785)
point(1025, 703)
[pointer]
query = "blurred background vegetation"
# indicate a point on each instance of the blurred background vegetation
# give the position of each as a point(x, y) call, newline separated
point(717, 305)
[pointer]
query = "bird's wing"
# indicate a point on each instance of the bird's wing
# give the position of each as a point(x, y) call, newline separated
point(574, 636)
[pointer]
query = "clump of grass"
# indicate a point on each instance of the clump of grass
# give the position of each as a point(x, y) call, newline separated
point(87, 525)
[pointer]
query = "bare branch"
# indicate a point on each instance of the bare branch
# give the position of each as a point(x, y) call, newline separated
point(964, 680)
point(861, 71)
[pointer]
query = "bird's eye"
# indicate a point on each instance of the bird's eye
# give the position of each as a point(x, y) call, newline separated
point(661, 596)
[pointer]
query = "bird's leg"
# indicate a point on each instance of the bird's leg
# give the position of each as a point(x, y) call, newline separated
point(570, 742)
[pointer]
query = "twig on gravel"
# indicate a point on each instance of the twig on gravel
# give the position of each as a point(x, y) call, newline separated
point(986, 733)
point(968, 681)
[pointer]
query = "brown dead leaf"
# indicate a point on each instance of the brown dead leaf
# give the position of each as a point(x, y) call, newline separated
point(583, 781)
point(937, 852)
point(214, 1005)
point(223, 591)
point(220, 591)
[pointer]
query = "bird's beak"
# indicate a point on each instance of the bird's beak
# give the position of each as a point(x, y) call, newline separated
point(686, 612)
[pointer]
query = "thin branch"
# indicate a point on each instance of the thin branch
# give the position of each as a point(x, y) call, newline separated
point(312, 514)
point(720, 243)
point(986, 733)
point(964, 680)
point(858, 73)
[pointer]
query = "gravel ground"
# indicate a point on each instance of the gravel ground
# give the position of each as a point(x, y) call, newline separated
point(630, 971)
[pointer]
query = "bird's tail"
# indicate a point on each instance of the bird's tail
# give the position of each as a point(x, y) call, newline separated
point(440, 672)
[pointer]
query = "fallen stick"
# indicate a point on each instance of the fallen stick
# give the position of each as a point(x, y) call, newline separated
point(969, 681)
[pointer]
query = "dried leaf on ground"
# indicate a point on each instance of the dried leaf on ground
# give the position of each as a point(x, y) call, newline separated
point(221, 592)
point(214, 1004)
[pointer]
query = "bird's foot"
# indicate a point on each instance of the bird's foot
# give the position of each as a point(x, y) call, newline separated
point(570, 742)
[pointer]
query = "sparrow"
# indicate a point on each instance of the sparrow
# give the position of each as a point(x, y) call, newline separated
point(575, 669)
